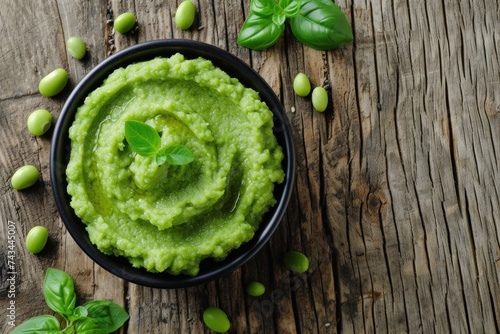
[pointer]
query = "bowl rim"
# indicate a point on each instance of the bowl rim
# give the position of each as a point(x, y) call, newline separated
point(119, 266)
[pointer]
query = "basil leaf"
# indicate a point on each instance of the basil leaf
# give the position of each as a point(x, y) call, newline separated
point(102, 317)
point(321, 25)
point(259, 32)
point(142, 138)
point(88, 326)
point(279, 18)
point(291, 7)
point(263, 7)
point(59, 292)
point(174, 155)
point(45, 324)
point(78, 313)
point(68, 330)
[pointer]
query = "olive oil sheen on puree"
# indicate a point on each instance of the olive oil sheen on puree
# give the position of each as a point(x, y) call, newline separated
point(168, 218)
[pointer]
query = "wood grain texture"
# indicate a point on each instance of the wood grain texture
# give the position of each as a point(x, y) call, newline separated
point(397, 200)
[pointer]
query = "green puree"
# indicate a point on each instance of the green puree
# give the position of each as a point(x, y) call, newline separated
point(169, 218)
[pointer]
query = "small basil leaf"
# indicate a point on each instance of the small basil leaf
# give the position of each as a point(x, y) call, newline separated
point(40, 324)
point(259, 33)
point(263, 7)
point(279, 18)
point(292, 7)
point(78, 313)
point(59, 292)
point(103, 315)
point(321, 25)
point(174, 155)
point(142, 138)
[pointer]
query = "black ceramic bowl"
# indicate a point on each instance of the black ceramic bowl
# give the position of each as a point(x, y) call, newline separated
point(209, 269)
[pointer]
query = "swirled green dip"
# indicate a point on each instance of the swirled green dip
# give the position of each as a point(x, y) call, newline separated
point(169, 218)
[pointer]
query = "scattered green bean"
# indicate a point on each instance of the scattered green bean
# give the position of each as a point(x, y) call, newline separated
point(216, 319)
point(39, 122)
point(36, 239)
point(319, 99)
point(53, 83)
point(296, 261)
point(76, 47)
point(301, 85)
point(184, 15)
point(24, 177)
point(256, 289)
point(124, 22)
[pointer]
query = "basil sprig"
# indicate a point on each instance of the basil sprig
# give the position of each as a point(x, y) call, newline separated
point(319, 24)
point(98, 316)
point(146, 142)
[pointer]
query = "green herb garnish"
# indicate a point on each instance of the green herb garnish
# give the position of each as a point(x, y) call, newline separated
point(98, 316)
point(146, 142)
point(142, 138)
point(174, 155)
point(319, 24)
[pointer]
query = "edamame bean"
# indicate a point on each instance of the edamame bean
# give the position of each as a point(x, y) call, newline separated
point(24, 177)
point(184, 15)
point(301, 85)
point(76, 47)
point(216, 319)
point(256, 289)
point(319, 99)
point(296, 261)
point(39, 122)
point(36, 239)
point(53, 83)
point(124, 22)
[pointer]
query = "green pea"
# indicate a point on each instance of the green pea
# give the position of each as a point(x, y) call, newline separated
point(256, 289)
point(216, 319)
point(296, 261)
point(184, 15)
point(39, 122)
point(53, 83)
point(76, 47)
point(319, 99)
point(301, 85)
point(124, 22)
point(24, 177)
point(36, 239)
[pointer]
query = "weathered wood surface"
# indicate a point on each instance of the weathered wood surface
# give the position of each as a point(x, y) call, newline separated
point(397, 202)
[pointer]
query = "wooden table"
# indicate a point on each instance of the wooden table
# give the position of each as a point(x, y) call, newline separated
point(397, 200)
